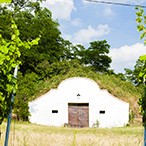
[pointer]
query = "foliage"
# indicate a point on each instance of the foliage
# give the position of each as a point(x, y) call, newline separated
point(31, 17)
point(27, 87)
point(9, 59)
point(120, 75)
point(96, 56)
point(133, 75)
point(5, 1)
point(96, 124)
point(9, 54)
point(141, 20)
point(46, 70)
point(33, 21)
point(142, 100)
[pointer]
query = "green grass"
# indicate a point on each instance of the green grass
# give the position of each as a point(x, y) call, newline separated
point(26, 134)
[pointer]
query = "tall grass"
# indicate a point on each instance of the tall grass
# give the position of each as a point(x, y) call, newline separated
point(25, 134)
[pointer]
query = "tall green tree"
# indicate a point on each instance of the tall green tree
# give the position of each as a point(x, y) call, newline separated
point(28, 85)
point(33, 21)
point(96, 56)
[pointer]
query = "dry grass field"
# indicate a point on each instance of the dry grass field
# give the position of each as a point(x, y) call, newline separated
point(26, 134)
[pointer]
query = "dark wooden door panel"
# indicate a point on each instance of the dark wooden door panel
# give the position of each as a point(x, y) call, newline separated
point(73, 116)
point(78, 115)
point(83, 115)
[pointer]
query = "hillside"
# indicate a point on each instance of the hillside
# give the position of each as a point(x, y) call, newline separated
point(121, 89)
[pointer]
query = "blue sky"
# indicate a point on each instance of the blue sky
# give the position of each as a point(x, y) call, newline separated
point(82, 22)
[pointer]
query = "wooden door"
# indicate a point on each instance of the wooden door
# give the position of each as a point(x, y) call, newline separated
point(78, 114)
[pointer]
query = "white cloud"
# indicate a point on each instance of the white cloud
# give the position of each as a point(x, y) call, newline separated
point(61, 9)
point(126, 56)
point(86, 35)
point(76, 22)
point(108, 12)
point(67, 36)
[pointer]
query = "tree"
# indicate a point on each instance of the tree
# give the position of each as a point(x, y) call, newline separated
point(96, 56)
point(9, 59)
point(34, 18)
point(51, 48)
point(133, 75)
point(28, 85)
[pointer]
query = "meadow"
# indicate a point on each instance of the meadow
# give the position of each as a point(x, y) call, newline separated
point(26, 134)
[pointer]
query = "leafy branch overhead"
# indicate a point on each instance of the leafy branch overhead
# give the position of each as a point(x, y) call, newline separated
point(9, 59)
point(5, 1)
point(141, 21)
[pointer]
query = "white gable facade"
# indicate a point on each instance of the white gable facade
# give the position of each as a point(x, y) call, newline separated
point(79, 102)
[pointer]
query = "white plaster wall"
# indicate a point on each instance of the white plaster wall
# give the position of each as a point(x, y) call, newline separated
point(41, 110)
point(116, 111)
